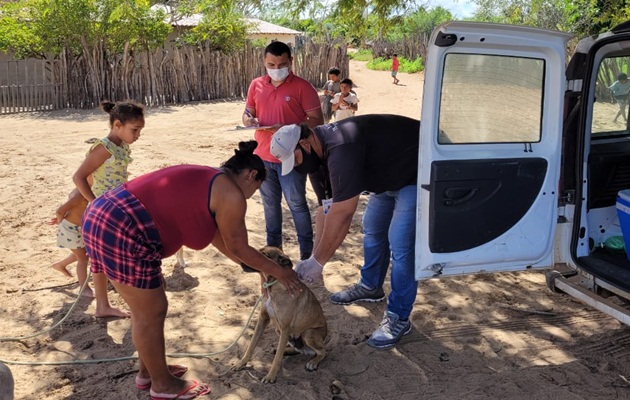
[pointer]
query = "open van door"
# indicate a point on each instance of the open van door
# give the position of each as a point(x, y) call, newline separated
point(490, 148)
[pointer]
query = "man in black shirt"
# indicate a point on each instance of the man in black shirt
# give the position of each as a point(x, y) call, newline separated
point(375, 153)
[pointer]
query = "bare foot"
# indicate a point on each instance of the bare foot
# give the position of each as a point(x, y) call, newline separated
point(111, 312)
point(58, 266)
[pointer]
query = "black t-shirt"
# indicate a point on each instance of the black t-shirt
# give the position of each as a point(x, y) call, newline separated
point(373, 152)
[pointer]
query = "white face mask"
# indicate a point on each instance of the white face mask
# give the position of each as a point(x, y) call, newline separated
point(279, 74)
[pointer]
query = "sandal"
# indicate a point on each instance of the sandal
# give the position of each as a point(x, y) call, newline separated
point(202, 389)
point(175, 370)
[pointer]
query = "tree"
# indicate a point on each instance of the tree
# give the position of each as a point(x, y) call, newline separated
point(352, 19)
point(548, 14)
point(581, 17)
point(590, 17)
point(44, 28)
point(419, 22)
point(222, 26)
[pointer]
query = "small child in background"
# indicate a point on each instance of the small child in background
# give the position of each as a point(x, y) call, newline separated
point(107, 162)
point(68, 216)
point(331, 87)
point(395, 66)
point(346, 103)
point(620, 89)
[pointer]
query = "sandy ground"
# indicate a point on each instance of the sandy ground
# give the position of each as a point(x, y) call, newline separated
point(473, 338)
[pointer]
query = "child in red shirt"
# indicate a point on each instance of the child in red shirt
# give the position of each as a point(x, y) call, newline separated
point(395, 65)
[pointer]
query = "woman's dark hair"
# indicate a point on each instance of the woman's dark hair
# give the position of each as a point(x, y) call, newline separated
point(124, 111)
point(305, 131)
point(334, 71)
point(245, 159)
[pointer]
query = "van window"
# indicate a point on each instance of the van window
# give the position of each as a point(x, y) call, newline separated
point(491, 99)
point(610, 109)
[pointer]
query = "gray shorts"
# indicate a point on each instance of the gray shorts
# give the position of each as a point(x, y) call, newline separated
point(69, 236)
point(622, 100)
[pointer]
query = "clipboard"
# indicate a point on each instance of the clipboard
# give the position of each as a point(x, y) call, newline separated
point(249, 128)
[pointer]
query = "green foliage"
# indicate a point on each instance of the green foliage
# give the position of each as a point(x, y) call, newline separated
point(411, 66)
point(41, 28)
point(581, 17)
point(258, 43)
point(221, 28)
point(15, 35)
point(361, 55)
point(306, 25)
point(385, 64)
point(133, 22)
point(354, 20)
point(589, 17)
point(419, 22)
point(379, 15)
point(189, 7)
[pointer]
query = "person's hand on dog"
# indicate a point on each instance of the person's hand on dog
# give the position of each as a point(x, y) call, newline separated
point(289, 280)
point(310, 270)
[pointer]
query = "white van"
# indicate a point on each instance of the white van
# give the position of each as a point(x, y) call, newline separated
point(522, 158)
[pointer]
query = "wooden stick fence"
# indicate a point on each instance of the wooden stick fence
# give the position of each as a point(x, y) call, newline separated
point(158, 78)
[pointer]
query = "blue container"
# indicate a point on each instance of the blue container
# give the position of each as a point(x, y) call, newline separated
point(623, 212)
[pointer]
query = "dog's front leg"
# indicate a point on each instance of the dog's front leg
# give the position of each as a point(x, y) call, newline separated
point(277, 360)
point(261, 325)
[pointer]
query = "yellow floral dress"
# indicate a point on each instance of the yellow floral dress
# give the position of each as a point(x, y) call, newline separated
point(113, 172)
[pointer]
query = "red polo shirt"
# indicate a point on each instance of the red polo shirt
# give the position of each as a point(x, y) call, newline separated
point(285, 104)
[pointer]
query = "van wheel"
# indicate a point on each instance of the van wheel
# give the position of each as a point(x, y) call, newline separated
point(550, 278)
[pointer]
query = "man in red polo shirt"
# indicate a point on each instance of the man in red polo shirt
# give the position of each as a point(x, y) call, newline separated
point(274, 100)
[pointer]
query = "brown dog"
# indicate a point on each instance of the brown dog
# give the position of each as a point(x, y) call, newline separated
point(299, 321)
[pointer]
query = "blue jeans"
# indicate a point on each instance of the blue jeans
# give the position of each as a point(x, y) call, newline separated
point(293, 186)
point(389, 228)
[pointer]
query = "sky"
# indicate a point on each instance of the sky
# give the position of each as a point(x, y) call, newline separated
point(459, 8)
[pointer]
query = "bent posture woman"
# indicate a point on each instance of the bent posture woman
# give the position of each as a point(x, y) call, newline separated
point(129, 230)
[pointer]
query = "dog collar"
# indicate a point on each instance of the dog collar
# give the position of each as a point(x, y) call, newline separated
point(269, 284)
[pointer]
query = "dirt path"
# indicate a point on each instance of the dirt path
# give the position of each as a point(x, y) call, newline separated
point(469, 340)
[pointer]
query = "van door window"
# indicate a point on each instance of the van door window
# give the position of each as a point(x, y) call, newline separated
point(610, 110)
point(491, 99)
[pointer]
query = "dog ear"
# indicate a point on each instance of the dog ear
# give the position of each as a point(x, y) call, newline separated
point(277, 255)
point(284, 261)
point(247, 268)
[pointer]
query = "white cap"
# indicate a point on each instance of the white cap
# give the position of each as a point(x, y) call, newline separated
point(283, 144)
